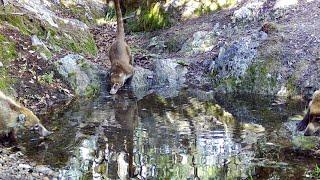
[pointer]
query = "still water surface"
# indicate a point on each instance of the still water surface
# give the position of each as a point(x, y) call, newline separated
point(195, 135)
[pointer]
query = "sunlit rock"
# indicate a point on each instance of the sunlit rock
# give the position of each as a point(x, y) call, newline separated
point(83, 76)
point(285, 3)
point(249, 11)
point(202, 41)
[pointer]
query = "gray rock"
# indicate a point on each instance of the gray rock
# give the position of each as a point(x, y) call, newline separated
point(43, 169)
point(169, 72)
point(156, 45)
point(280, 4)
point(141, 83)
point(41, 47)
point(167, 78)
point(202, 41)
point(234, 60)
point(249, 11)
point(81, 74)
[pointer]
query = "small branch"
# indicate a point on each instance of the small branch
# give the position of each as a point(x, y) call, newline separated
point(18, 14)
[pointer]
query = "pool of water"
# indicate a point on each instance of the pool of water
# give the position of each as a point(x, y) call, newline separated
point(194, 135)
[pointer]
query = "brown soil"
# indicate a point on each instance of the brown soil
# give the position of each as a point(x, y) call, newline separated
point(27, 70)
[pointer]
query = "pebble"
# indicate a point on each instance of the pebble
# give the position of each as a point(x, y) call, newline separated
point(24, 166)
point(43, 169)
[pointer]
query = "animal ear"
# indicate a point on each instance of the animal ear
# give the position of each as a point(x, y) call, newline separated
point(22, 118)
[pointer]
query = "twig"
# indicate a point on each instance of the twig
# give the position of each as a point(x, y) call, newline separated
point(19, 14)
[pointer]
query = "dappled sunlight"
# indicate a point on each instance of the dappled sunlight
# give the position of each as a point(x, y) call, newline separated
point(197, 8)
point(285, 3)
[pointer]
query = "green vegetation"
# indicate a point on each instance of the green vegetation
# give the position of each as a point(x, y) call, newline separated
point(47, 78)
point(213, 5)
point(7, 49)
point(174, 44)
point(61, 36)
point(5, 80)
point(92, 91)
point(83, 64)
point(110, 14)
point(259, 78)
point(7, 53)
point(291, 87)
point(316, 172)
point(150, 19)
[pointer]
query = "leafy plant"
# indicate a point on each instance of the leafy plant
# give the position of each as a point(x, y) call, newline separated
point(316, 172)
point(46, 78)
point(150, 19)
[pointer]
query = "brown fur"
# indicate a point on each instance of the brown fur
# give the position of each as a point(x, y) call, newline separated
point(120, 56)
point(13, 116)
point(311, 121)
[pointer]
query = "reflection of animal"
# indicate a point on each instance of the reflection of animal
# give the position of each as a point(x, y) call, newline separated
point(311, 121)
point(120, 56)
point(14, 116)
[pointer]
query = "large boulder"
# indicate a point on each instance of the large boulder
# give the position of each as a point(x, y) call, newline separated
point(83, 76)
point(167, 78)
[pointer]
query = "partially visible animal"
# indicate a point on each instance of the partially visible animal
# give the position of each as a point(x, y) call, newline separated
point(13, 117)
point(120, 56)
point(311, 121)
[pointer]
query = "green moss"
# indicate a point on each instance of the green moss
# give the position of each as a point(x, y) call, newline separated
point(7, 49)
point(306, 142)
point(291, 87)
point(259, 78)
point(91, 47)
point(316, 172)
point(5, 80)
point(174, 44)
point(60, 37)
point(46, 78)
point(7, 53)
point(150, 19)
point(92, 91)
point(25, 24)
point(83, 64)
point(72, 74)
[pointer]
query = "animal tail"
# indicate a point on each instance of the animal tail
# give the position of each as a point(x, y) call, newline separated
point(120, 28)
point(9, 100)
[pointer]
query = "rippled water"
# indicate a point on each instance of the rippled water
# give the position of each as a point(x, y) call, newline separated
point(193, 135)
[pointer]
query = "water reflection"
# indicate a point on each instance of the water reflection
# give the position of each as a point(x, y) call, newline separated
point(169, 138)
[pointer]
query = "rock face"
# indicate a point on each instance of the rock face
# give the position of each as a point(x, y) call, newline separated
point(202, 41)
point(234, 60)
point(239, 67)
point(41, 18)
point(82, 75)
